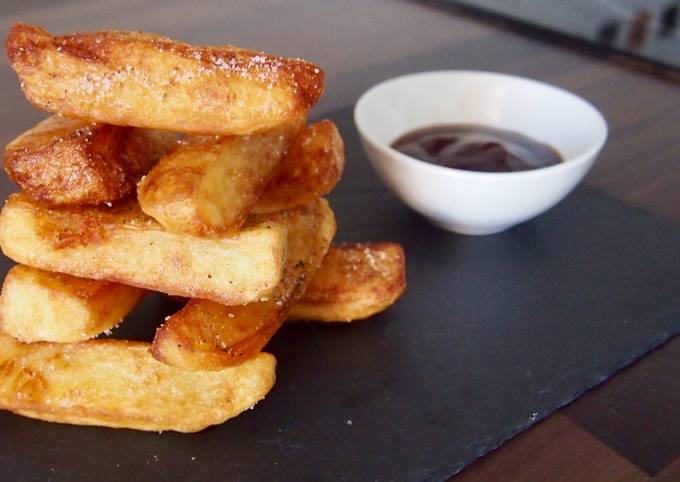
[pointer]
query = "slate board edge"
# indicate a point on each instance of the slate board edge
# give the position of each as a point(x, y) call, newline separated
point(444, 473)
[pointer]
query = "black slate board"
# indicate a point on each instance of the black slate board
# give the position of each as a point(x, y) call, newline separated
point(493, 334)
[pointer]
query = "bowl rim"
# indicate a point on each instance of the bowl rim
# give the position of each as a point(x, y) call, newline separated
point(568, 164)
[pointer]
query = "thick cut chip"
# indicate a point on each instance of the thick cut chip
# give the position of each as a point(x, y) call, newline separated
point(146, 80)
point(123, 244)
point(38, 305)
point(66, 161)
point(116, 383)
point(208, 185)
point(311, 168)
point(209, 336)
point(355, 281)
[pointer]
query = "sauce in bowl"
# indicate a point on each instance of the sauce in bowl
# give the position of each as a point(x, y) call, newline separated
point(476, 148)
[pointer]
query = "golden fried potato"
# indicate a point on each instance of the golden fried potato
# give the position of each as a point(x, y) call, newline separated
point(66, 161)
point(38, 305)
point(116, 383)
point(122, 244)
point(355, 281)
point(208, 185)
point(209, 336)
point(311, 168)
point(145, 80)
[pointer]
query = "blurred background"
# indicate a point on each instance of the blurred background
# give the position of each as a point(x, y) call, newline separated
point(649, 29)
point(358, 34)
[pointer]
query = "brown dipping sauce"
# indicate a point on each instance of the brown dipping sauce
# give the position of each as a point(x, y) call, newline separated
point(476, 148)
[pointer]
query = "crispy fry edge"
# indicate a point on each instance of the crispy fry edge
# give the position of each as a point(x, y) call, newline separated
point(208, 336)
point(117, 384)
point(355, 282)
point(146, 80)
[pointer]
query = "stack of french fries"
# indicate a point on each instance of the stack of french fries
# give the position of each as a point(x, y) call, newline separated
point(185, 170)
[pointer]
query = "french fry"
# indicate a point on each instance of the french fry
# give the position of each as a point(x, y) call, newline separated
point(122, 244)
point(116, 383)
point(209, 336)
point(67, 161)
point(38, 305)
point(355, 281)
point(311, 168)
point(230, 218)
point(208, 185)
point(146, 80)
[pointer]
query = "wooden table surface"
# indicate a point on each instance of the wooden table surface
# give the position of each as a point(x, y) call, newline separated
point(628, 429)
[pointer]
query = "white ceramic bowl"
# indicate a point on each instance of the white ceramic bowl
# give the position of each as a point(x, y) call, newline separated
point(478, 202)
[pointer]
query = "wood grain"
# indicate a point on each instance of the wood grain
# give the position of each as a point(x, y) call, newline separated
point(555, 450)
point(670, 474)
